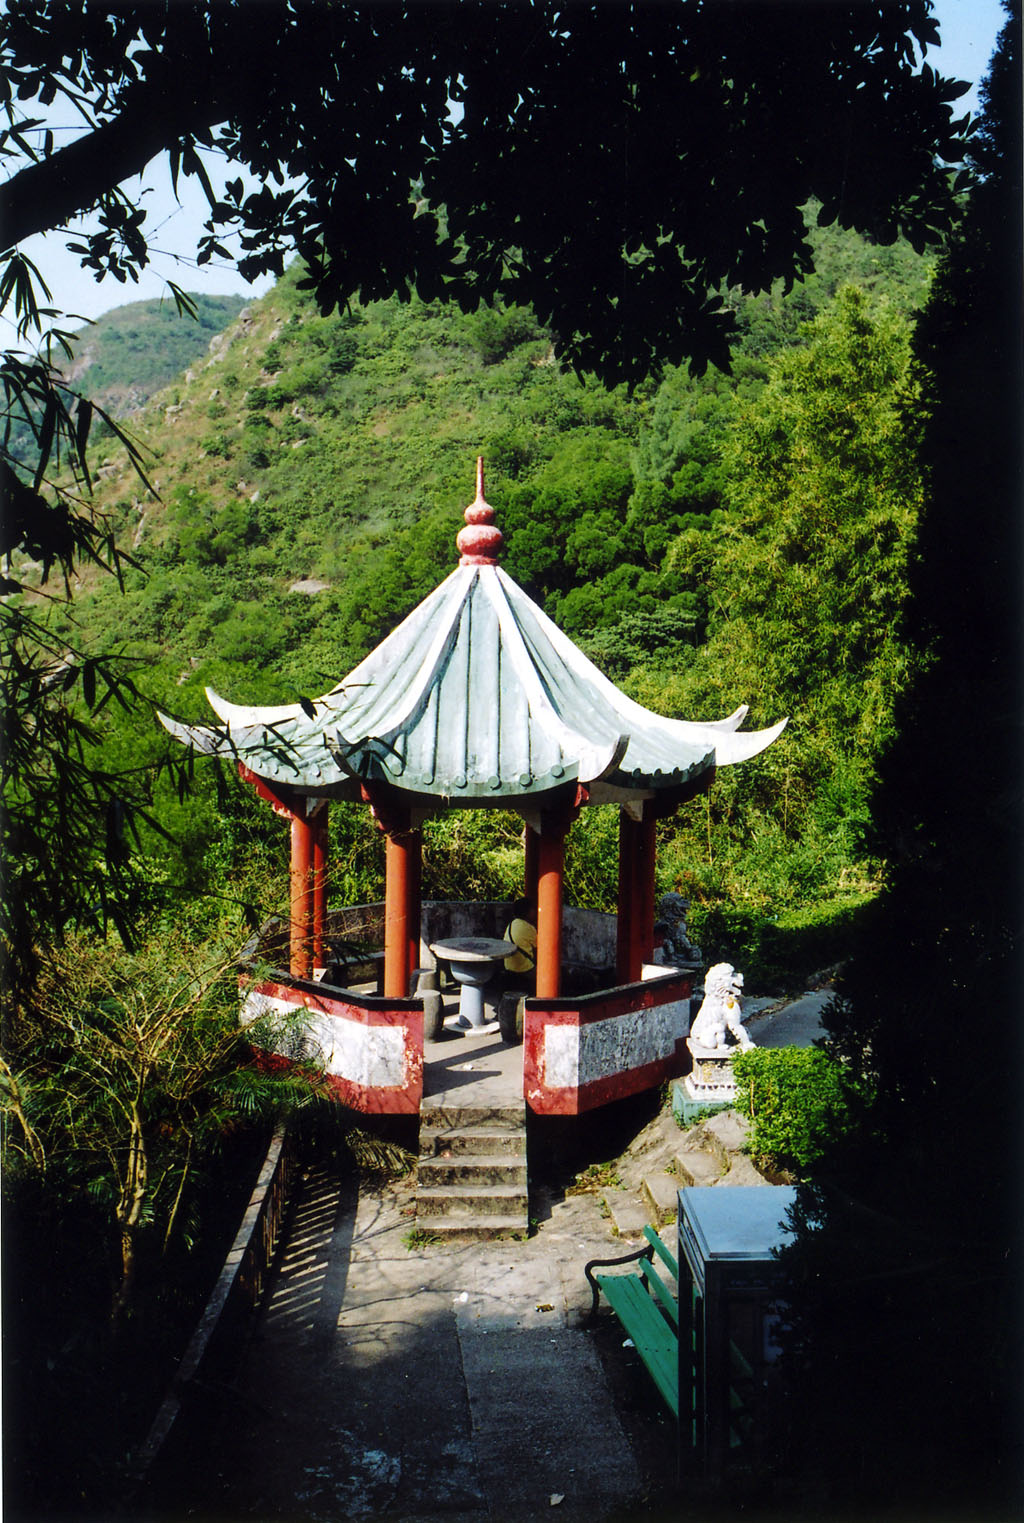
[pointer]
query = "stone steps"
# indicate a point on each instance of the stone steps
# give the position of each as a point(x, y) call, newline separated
point(709, 1153)
point(474, 1141)
point(471, 1229)
point(473, 1171)
point(471, 1200)
point(660, 1196)
point(694, 1166)
point(472, 1179)
point(460, 1118)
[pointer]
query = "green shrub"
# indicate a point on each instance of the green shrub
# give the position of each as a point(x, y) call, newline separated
point(777, 951)
point(799, 1101)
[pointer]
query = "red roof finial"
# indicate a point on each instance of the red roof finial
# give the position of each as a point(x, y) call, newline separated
point(480, 541)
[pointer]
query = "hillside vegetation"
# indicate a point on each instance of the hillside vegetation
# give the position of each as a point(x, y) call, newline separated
point(733, 538)
point(126, 355)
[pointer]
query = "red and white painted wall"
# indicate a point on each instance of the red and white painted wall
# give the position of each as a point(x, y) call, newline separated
point(579, 1054)
point(370, 1049)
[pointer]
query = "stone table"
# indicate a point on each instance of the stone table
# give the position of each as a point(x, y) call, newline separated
point(474, 960)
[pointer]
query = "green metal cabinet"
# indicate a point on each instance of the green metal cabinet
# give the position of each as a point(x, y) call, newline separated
point(728, 1323)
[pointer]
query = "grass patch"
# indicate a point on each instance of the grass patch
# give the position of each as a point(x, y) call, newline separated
point(596, 1177)
point(418, 1237)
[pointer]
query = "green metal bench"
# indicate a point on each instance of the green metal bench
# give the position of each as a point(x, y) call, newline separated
point(647, 1310)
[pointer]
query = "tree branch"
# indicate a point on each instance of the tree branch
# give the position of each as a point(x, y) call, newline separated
point(50, 193)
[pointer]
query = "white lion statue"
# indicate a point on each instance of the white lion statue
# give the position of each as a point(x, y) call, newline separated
point(720, 1013)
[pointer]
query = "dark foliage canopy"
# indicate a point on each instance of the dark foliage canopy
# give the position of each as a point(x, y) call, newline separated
point(610, 165)
point(927, 1306)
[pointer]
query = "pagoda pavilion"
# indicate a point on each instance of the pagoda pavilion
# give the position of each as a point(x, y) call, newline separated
point(478, 701)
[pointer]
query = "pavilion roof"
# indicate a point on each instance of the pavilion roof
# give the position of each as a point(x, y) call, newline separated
point(475, 698)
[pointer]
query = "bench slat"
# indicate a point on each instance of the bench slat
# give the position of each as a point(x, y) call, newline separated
point(661, 1249)
point(655, 1341)
point(661, 1290)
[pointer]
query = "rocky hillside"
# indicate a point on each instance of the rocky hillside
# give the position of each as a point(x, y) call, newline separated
point(126, 355)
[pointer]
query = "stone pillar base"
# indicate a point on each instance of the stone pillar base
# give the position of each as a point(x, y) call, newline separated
point(688, 1111)
point(711, 1082)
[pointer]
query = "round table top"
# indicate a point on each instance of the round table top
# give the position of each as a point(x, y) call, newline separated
point(472, 948)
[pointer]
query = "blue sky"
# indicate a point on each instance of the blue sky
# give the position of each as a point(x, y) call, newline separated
point(968, 27)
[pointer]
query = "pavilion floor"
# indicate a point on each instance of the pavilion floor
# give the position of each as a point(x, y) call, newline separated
point(476, 1068)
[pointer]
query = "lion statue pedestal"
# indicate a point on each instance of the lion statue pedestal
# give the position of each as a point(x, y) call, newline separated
point(716, 1034)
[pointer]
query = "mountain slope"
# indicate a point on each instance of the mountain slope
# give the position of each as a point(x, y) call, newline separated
point(126, 355)
point(340, 451)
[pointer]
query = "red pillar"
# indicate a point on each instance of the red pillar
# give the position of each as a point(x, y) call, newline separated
point(627, 946)
point(301, 883)
point(645, 888)
point(635, 929)
point(399, 874)
point(531, 845)
point(320, 821)
point(550, 885)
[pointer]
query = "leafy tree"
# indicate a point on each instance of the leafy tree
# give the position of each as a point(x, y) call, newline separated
point(637, 638)
point(563, 524)
point(803, 573)
point(771, 319)
point(909, 1283)
point(675, 135)
point(68, 821)
point(623, 593)
point(810, 569)
point(678, 458)
point(133, 1118)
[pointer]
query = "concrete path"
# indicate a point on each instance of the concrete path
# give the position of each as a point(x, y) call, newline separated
point(422, 1383)
point(796, 1023)
point(471, 1068)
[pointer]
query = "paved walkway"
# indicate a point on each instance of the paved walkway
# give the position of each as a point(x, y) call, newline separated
point(429, 1383)
point(472, 1068)
point(796, 1023)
